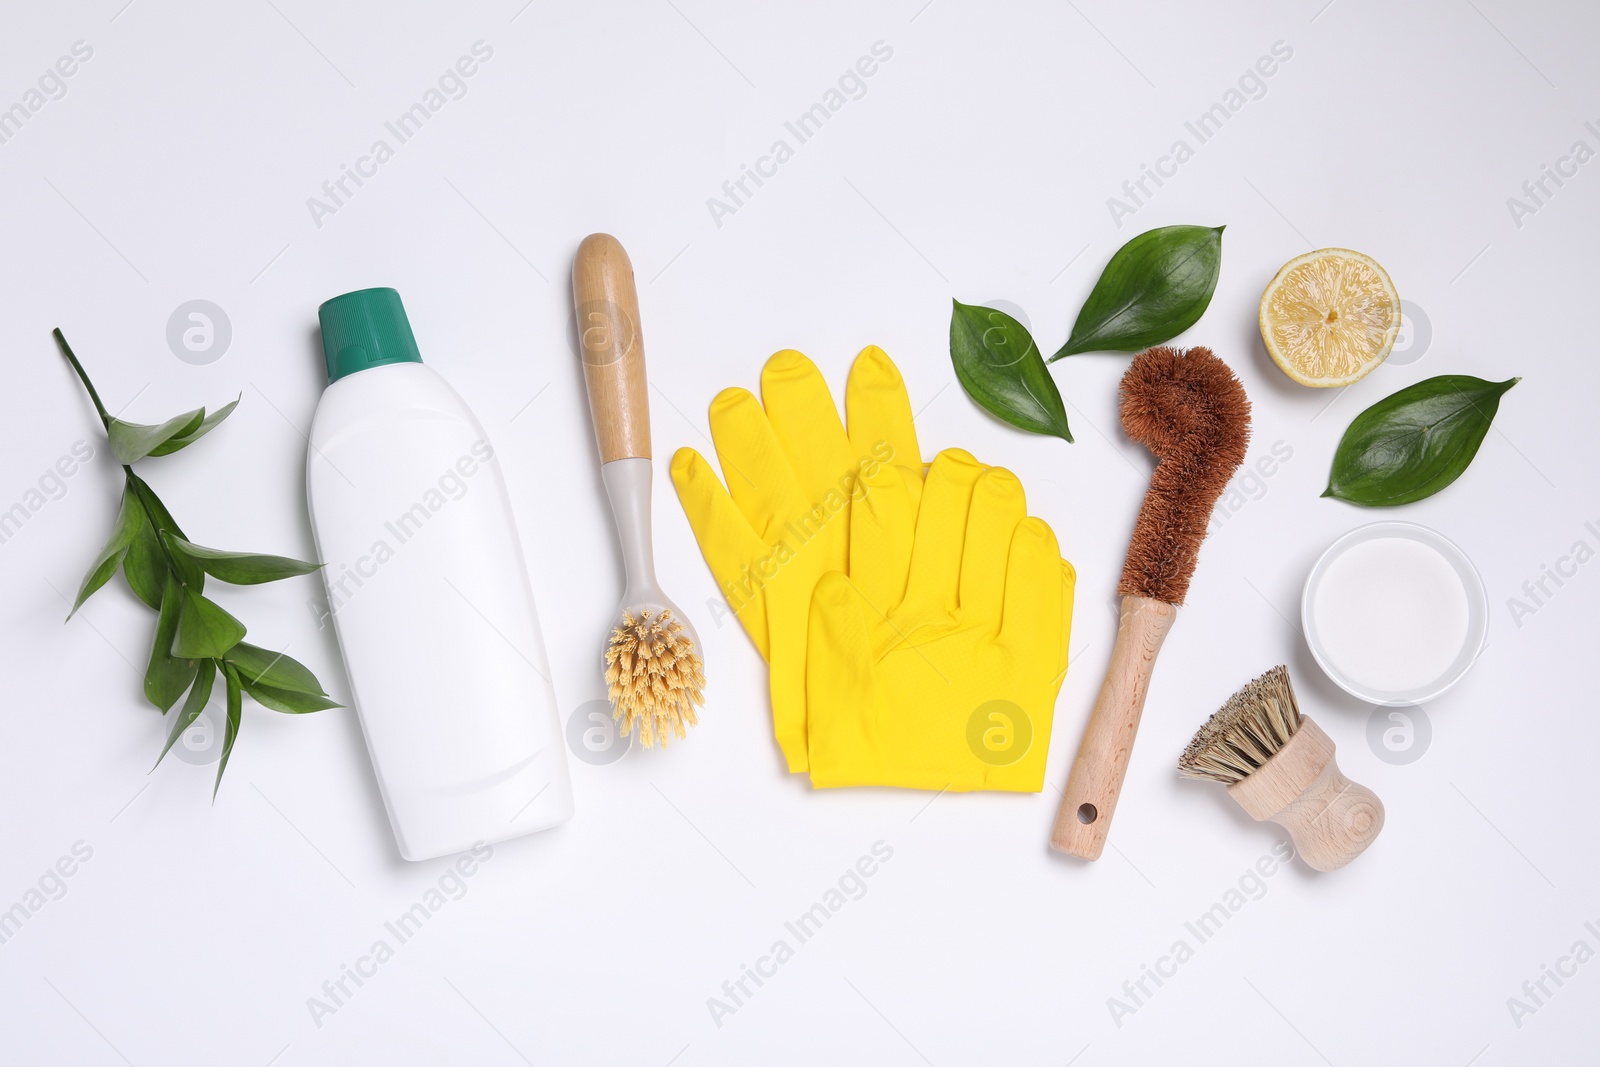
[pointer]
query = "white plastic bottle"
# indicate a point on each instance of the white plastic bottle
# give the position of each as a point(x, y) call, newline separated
point(429, 593)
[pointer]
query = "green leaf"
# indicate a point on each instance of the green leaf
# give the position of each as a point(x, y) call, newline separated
point(231, 731)
point(111, 556)
point(204, 629)
point(162, 522)
point(132, 441)
point(208, 424)
point(145, 565)
point(167, 676)
point(1154, 288)
point(157, 511)
point(1411, 445)
point(241, 568)
point(199, 695)
point(263, 666)
point(1000, 367)
point(287, 700)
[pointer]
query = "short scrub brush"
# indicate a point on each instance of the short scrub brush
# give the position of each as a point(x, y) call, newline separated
point(1279, 766)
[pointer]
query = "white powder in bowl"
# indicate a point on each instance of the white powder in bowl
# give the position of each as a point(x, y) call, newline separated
point(1391, 614)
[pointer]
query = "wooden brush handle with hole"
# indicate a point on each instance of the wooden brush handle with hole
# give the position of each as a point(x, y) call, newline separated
point(612, 348)
point(1090, 798)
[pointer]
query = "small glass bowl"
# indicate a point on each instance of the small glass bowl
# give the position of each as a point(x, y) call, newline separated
point(1477, 612)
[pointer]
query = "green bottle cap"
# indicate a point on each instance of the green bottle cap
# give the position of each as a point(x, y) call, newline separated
point(366, 328)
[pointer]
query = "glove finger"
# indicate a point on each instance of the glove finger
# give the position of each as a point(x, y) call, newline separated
point(935, 577)
point(786, 684)
point(760, 477)
point(841, 684)
point(1031, 620)
point(879, 412)
point(805, 420)
point(912, 478)
point(883, 519)
point(1069, 585)
point(729, 545)
point(998, 505)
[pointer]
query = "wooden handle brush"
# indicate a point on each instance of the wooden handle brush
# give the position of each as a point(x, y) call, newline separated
point(1279, 766)
point(653, 669)
point(1189, 410)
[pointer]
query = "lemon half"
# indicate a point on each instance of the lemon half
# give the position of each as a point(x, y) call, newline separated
point(1330, 317)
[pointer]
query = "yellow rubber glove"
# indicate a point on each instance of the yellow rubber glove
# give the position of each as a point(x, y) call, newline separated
point(783, 520)
point(955, 687)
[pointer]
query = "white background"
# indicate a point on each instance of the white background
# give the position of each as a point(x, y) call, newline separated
point(978, 166)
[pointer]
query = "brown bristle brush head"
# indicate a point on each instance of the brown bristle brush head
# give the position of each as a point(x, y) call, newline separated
point(1190, 411)
point(653, 677)
point(1279, 766)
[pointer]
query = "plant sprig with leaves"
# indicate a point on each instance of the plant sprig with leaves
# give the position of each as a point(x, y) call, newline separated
point(195, 640)
point(1155, 287)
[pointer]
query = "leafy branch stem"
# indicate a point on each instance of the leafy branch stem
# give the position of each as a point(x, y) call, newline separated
point(134, 483)
point(66, 350)
point(196, 640)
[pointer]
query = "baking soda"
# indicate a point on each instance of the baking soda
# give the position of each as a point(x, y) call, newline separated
point(1391, 614)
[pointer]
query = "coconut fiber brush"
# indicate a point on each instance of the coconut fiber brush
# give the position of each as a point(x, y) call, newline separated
point(1278, 765)
point(653, 669)
point(1189, 410)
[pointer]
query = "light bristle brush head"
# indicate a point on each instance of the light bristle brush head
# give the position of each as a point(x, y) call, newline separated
point(1249, 730)
point(654, 676)
point(1190, 411)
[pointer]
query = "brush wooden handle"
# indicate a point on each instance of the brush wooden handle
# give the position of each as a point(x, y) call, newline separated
point(1090, 799)
point(612, 347)
point(1301, 788)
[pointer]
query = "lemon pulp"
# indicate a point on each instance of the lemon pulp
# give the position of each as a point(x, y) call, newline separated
point(1329, 317)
